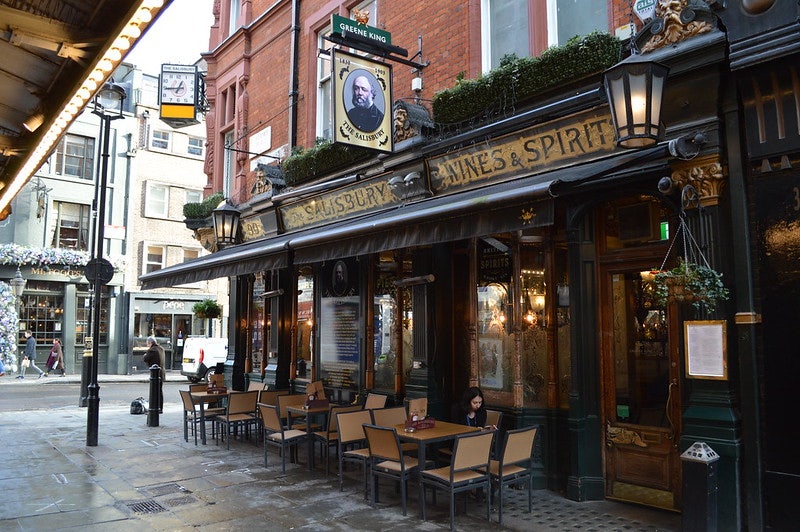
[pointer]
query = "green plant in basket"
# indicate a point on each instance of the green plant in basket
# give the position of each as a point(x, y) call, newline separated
point(690, 283)
point(207, 308)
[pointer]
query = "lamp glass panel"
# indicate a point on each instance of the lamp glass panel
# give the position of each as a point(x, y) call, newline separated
point(617, 96)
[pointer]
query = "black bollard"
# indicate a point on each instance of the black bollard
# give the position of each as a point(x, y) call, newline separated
point(700, 488)
point(155, 396)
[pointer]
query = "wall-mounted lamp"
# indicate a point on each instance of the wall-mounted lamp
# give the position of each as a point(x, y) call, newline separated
point(407, 186)
point(34, 122)
point(18, 286)
point(226, 224)
point(635, 89)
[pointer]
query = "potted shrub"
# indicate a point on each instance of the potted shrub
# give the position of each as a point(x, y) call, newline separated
point(690, 283)
point(207, 308)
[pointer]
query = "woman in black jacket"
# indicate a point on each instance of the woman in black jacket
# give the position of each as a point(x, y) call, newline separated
point(471, 410)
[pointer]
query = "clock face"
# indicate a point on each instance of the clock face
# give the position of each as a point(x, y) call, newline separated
point(177, 87)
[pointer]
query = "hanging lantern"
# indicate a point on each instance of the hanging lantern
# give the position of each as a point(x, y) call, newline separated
point(635, 89)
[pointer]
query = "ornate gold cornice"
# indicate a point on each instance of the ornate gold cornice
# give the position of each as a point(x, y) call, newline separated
point(675, 21)
point(706, 174)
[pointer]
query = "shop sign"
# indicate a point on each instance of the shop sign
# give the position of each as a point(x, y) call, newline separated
point(645, 9)
point(341, 24)
point(575, 139)
point(259, 226)
point(53, 270)
point(359, 198)
point(362, 96)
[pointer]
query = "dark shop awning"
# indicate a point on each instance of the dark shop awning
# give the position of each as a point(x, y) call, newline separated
point(508, 206)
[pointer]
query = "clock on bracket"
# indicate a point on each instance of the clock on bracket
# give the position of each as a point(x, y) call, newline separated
point(178, 84)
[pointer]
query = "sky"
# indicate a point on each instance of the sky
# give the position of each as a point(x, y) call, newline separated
point(178, 36)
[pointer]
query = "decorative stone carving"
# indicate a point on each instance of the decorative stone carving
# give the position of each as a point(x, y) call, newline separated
point(269, 180)
point(410, 120)
point(675, 21)
point(707, 175)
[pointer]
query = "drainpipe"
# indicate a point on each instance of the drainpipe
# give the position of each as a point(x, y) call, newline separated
point(294, 82)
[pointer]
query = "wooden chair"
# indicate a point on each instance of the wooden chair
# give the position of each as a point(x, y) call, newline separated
point(257, 386)
point(419, 405)
point(515, 465)
point(493, 417)
point(375, 400)
point(209, 411)
point(239, 414)
point(275, 434)
point(270, 397)
point(391, 417)
point(468, 470)
point(218, 379)
point(189, 409)
point(329, 438)
point(387, 460)
point(295, 400)
point(351, 442)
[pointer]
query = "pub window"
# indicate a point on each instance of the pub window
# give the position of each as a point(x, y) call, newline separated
point(324, 83)
point(74, 157)
point(305, 324)
point(495, 318)
point(156, 202)
point(84, 315)
point(153, 258)
point(71, 226)
point(634, 221)
point(41, 311)
point(393, 341)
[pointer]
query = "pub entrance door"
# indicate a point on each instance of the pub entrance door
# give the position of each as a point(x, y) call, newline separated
point(640, 389)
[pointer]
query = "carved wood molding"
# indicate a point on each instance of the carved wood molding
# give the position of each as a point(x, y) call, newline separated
point(706, 174)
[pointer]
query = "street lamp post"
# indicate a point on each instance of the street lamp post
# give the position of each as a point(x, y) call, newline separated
point(18, 287)
point(108, 106)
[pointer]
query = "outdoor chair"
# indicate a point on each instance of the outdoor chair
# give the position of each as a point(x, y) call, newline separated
point(388, 461)
point(270, 397)
point(514, 466)
point(351, 442)
point(217, 379)
point(375, 400)
point(293, 400)
point(329, 438)
point(418, 406)
point(256, 385)
point(276, 435)
point(391, 417)
point(239, 414)
point(468, 470)
point(189, 409)
point(209, 411)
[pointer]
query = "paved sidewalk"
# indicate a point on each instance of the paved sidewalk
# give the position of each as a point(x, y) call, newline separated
point(147, 478)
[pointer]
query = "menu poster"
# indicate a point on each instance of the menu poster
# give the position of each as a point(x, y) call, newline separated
point(340, 338)
point(706, 349)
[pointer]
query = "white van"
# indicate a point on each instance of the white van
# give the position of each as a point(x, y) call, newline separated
point(202, 354)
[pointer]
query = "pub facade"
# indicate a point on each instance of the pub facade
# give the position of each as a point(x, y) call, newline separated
point(509, 253)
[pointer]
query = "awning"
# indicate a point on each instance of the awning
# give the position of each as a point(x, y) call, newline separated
point(239, 260)
point(508, 206)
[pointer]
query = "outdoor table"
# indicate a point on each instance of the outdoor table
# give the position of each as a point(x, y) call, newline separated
point(308, 413)
point(441, 432)
point(201, 398)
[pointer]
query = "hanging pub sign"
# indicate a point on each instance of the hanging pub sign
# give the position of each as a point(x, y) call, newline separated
point(362, 92)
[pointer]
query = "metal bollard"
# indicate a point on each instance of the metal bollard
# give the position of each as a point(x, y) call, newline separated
point(155, 396)
point(700, 488)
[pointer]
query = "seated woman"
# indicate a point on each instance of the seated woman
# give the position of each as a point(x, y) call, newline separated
point(471, 410)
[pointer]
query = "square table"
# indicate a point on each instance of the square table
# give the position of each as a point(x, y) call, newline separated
point(441, 432)
point(308, 413)
point(201, 398)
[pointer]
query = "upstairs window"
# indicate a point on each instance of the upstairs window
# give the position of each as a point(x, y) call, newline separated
point(195, 146)
point(160, 140)
point(153, 258)
point(324, 83)
point(156, 202)
point(74, 157)
point(71, 226)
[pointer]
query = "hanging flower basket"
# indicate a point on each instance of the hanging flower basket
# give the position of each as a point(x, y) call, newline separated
point(208, 308)
point(690, 283)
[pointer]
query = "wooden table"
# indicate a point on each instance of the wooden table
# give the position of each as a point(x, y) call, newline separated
point(201, 398)
point(441, 432)
point(308, 413)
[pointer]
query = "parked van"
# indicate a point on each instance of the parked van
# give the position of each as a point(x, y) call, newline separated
point(201, 354)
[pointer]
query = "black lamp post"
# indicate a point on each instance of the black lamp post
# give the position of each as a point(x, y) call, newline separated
point(108, 106)
point(226, 224)
point(635, 89)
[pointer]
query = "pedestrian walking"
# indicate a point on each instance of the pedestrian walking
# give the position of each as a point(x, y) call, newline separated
point(155, 355)
point(56, 359)
point(30, 355)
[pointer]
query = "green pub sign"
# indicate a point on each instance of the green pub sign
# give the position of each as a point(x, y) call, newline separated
point(341, 24)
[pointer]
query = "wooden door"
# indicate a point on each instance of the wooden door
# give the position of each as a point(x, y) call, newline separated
point(641, 391)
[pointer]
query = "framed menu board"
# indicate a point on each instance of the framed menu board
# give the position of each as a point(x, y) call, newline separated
point(706, 349)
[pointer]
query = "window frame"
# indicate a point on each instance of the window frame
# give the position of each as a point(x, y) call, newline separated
point(146, 262)
point(83, 227)
point(150, 210)
point(324, 86)
point(60, 155)
point(199, 148)
point(167, 140)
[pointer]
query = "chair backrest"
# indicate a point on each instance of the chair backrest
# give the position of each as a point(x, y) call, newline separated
point(493, 417)
point(200, 387)
point(333, 423)
point(316, 388)
point(351, 425)
point(375, 400)
point(242, 402)
point(285, 401)
point(519, 445)
point(419, 405)
point(270, 397)
point(186, 397)
point(389, 417)
point(472, 450)
point(218, 379)
point(269, 417)
point(383, 442)
point(255, 385)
